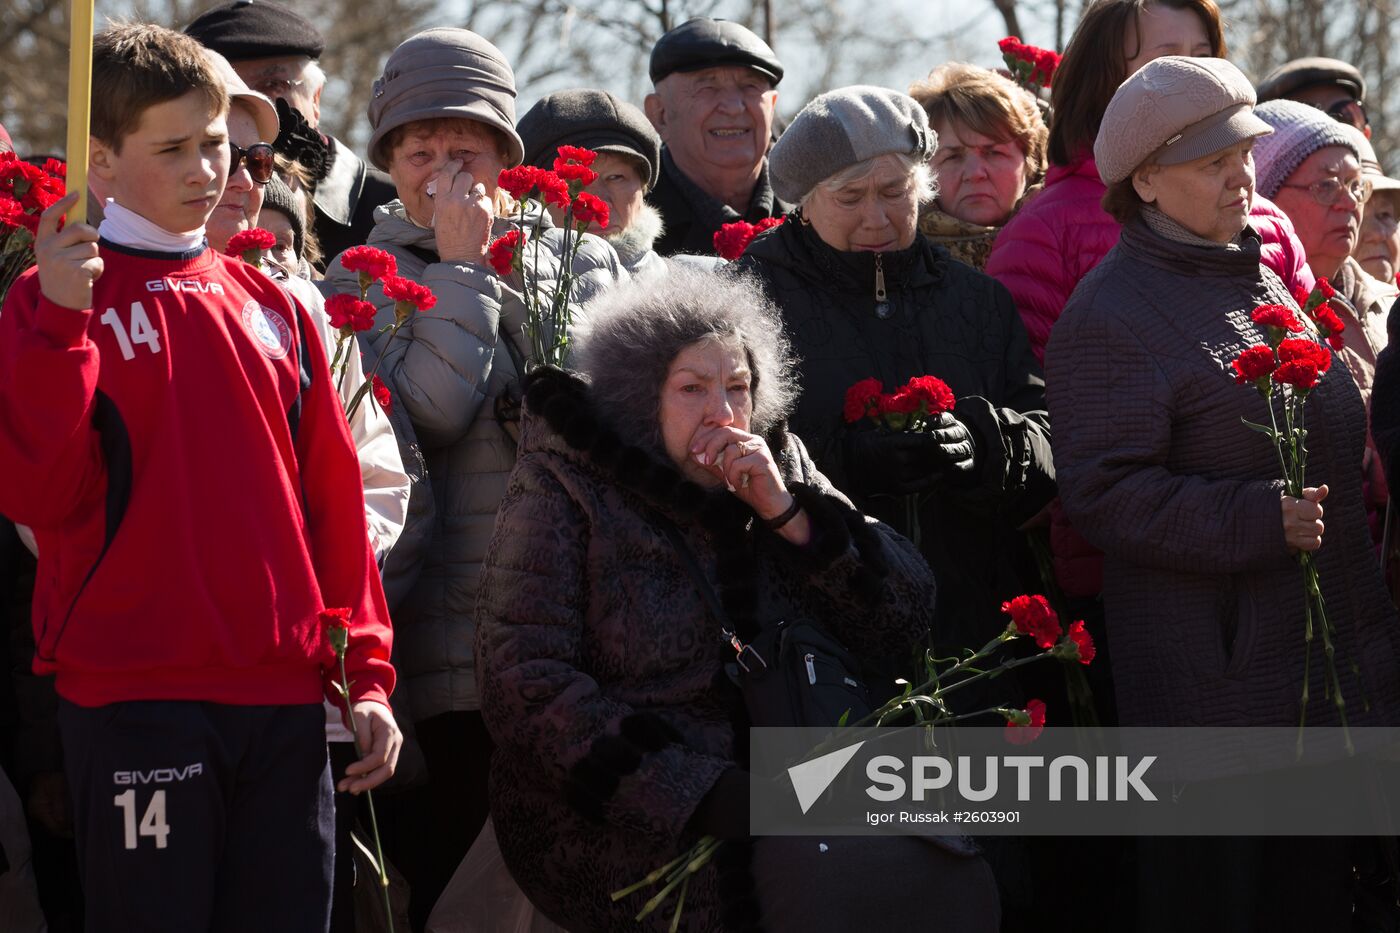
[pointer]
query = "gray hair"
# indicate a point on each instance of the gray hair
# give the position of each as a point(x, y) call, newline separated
point(314, 77)
point(925, 182)
point(632, 334)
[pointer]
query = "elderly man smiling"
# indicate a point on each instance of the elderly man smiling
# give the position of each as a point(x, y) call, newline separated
point(716, 87)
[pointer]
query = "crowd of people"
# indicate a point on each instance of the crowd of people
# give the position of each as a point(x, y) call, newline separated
point(515, 598)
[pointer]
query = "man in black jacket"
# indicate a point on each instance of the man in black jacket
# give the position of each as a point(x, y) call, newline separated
point(715, 93)
point(274, 50)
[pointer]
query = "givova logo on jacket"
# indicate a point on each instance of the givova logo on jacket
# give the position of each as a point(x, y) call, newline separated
point(269, 329)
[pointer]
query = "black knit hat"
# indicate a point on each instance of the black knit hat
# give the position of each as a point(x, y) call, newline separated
point(245, 29)
point(708, 43)
point(594, 120)
point(278, 196)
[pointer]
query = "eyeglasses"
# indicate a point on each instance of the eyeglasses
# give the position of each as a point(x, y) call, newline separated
point(277, 87)
point(261, 161)
point(1349, 111)
point(1328, 190)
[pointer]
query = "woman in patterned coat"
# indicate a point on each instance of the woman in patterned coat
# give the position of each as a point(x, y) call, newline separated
point(620, 740)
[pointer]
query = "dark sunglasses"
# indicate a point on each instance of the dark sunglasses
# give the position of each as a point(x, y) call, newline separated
point(260, 160)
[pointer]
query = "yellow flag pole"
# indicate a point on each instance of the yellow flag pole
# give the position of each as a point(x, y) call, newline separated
point(79, 102)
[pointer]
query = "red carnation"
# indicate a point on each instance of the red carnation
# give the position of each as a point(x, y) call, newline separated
point(1024, 726)
point(518, 181)
point(591, 209)
point(349, 311)
point(407, 291)
point(11, 211)
point(56, 168)
point(1301, 374)
point(335, 618)
point(1300, 295)
point(768, 223)
point(902, 402)
point(1297, 349)
point(553, 189)
point(570, 172)
point(575, 154)
point(248, 241)
point(933, 392)
point(1330, 324)
point(1256, 362)
point(501, 252)
point(1324, 286)
point(1277, 316)
point(369, 261)
point(862, 399)
point(1083, 641)
point(1033, 616)
point(732, 239)
point(381, 394)
point(1010, 46)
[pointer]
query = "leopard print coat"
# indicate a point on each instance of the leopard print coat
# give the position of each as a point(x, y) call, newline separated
point(601, 670)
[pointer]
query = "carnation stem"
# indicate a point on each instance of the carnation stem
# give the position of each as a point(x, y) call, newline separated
point(369, 799)
point(369, 379)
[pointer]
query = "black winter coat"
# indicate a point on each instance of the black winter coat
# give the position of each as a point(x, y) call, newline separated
point(692, 217)
point(944, 319)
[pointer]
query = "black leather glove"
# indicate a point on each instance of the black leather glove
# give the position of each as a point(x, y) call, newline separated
point(724, 811)
point(904, 463)
point(299, 141)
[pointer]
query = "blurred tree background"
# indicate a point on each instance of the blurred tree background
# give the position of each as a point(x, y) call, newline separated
point(555, 44)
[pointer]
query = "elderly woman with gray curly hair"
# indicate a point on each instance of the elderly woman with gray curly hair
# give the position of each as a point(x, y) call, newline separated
point(620, 738)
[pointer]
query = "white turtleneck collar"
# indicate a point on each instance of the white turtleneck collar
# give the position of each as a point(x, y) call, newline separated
point(127, 228)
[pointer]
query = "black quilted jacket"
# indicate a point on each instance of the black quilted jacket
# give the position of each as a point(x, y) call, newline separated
point(943, 319)
point(1204, 602)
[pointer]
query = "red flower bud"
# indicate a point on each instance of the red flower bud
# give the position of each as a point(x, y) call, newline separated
point(381, 394)
point(1026, 727)
point(501, 252)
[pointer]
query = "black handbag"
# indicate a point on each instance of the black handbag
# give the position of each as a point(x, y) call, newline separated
point(793, 673)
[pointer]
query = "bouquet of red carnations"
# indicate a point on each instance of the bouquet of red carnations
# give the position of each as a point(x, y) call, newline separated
point(549, 316)
point(1030, 67)
point(26, 191)
point(1286, 369)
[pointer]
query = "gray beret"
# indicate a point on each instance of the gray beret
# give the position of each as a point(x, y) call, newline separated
point(709, 43)
point(1299, 131)
point(1173, 110)
point(444, 72)
point(841, 128)
point(594, 120)
point(279, 197)
point(246, 29)
point(1303, 72)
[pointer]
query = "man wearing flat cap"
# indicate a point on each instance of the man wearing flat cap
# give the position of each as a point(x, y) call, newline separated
point(1332, 86)
point(715, 93)
point(275, 50)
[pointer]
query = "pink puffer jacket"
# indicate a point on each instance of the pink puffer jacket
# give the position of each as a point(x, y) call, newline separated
point(1063, 232)
point(1040, 256)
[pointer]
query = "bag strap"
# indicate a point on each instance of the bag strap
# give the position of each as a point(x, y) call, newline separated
point(707, 593)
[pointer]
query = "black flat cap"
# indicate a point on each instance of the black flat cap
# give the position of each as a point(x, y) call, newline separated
point(1302, 72)
point(594, 120)
point(708, 43)
point(247, 29)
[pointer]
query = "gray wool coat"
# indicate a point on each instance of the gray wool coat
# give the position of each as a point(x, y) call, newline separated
point(1204, 603)
point(600, 667)
point(446, 369)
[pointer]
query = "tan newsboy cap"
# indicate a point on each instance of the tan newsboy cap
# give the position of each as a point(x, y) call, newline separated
point(1173, 110)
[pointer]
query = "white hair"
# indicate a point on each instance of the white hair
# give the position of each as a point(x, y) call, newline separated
point(313, 75)
point(925, 182)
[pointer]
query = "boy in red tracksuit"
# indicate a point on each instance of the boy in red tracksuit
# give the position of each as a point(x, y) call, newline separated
point(169, 429)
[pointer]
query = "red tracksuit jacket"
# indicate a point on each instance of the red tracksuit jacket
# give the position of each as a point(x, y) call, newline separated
point(184, 461)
